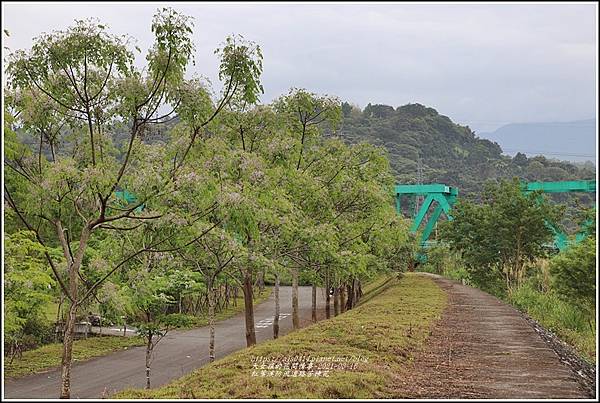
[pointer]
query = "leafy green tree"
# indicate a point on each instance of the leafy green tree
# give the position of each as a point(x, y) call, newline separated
point(500, 236)
point(303, 113)
point(28, 283)
point(574, 274)
point(71, 95)
point(209, 257)
point(520, 159)
point(150, 295)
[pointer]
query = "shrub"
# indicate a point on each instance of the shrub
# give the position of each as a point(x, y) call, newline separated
point(570, 323)
point(574, 274)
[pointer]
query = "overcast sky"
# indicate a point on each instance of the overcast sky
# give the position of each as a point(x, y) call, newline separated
point(480, 64)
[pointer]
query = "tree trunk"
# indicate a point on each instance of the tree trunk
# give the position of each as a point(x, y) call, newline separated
point(148, 356)
point(295, 314)
point(276, 319)
point(343, 297)
point(356, 287)
point(336, 301)
point(350, 292)
point(65, 389)
point(58, 315)
point(58, 311)
point(261, 282)
point(327, 298)
point(227, 291)
point(218, 299)
point(314, 304)
point(211, 322)
point(73, 270)
point(249, 311)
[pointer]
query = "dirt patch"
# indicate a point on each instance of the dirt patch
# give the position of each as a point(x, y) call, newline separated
point(484, 348)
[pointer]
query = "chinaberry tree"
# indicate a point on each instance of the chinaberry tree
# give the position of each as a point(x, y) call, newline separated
point(71, 95)
point(303, 115)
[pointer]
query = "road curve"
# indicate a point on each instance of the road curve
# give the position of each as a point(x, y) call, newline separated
point(178, 354)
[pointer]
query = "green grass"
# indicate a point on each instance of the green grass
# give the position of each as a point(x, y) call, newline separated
point(566, 321)
point(386, 329)
point(377, 284)
point(49, 356)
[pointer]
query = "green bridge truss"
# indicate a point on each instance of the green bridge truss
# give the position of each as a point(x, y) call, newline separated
point(444, 197)
point(126, 198)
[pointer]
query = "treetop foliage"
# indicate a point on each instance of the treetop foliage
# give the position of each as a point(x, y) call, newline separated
point(500, 236)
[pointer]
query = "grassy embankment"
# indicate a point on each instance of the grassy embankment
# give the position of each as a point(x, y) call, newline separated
point(391, 323)
point(49, 356)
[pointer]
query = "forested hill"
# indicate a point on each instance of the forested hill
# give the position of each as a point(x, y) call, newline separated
point(449, 153)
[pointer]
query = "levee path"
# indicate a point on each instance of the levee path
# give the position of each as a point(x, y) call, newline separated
point(484, 348)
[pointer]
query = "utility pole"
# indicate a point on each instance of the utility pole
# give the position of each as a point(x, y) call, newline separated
point(419, 198)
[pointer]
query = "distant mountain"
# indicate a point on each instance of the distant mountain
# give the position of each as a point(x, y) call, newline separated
point(426, 146)
point(572, 141)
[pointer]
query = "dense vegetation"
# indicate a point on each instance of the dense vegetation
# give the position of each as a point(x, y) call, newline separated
point(156, 228)
point(500, 245)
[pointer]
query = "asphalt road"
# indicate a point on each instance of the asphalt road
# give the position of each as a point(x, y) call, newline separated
point(178, 354)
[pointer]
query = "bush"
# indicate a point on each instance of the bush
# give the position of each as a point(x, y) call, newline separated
point(39, 331)
point(574, 274)
point(570, 323)
point(459, 274)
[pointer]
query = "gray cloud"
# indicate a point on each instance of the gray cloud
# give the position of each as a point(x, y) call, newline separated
point(480, 64)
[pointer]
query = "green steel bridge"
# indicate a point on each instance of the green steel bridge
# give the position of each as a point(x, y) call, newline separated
point(444, 197)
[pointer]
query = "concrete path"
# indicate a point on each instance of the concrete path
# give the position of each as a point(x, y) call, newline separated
point(176, 355)
point(484, 348)
point(113, 330)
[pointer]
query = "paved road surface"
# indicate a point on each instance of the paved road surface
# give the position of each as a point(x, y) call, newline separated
point(484, 348)
point(178, 354)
